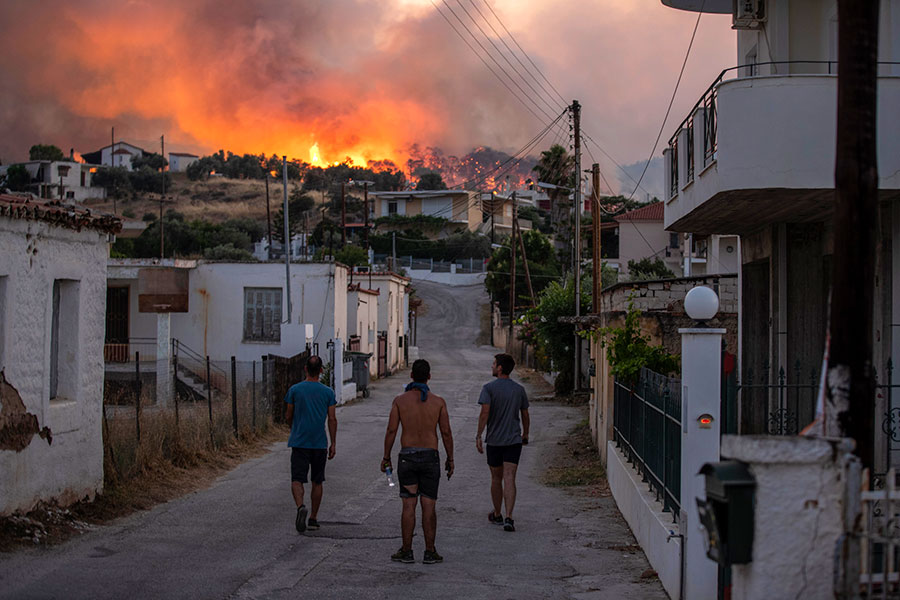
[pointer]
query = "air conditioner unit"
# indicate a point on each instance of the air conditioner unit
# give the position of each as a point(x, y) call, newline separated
point(748, 14)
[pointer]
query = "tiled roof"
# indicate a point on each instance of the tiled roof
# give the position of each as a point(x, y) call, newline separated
point(651, 212)
point(357, 287)
point(57, 213)
point(183, 154)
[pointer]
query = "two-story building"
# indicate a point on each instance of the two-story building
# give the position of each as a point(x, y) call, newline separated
point(755, 156)
point(118, 154)
point(460, 207)
point(61, 180)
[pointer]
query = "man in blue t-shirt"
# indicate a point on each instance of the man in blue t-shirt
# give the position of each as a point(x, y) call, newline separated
point(306, 406)
point(502, 402)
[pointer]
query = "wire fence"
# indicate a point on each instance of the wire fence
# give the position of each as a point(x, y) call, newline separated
point(460, 265)
point(175, 409)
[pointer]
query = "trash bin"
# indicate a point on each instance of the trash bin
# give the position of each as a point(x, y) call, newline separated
point(360, 370)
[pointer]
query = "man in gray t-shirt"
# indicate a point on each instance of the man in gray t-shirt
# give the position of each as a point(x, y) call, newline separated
point(502, 402)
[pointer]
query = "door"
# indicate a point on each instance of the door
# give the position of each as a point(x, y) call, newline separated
point(116, 347)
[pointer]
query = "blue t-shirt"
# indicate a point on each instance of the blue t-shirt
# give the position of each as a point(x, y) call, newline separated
point(311, 400)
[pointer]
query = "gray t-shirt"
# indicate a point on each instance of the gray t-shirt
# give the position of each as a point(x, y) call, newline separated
point(506, 398)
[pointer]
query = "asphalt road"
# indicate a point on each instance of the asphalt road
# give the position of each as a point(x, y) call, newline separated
point(236, 539)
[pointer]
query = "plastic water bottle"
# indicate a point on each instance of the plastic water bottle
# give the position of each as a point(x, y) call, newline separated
point(390, 476)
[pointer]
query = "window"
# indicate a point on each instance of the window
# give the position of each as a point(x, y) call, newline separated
point(674, 240)
point(64, 352)
point(262, 315)
point(392, 208)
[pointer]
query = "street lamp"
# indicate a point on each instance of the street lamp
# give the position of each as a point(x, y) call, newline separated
point(701, 304)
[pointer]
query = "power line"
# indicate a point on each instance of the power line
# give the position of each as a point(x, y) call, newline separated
point(464, 39)
point(524, 75)
point(541, 73)
point(671, 101)
point(491, 56)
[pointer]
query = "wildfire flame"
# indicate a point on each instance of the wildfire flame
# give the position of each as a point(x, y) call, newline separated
point(315, 158)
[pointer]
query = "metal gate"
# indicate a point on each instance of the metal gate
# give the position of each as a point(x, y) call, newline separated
point(382, 354)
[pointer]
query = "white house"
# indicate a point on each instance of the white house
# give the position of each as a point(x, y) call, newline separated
point(238, 309)
point(393, 307)
point(457, 206)
point(119, 154)
point(52, 307)
point(180, 161)
point(61, 180)
point(756, 156)
point(362, 322)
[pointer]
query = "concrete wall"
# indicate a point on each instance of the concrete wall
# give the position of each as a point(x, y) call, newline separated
point(446, 278)
point(34, 255)
point(798, 514)
point(179, 164)
point(651, 526)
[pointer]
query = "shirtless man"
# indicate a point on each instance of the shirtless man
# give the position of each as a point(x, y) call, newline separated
point(420, 412)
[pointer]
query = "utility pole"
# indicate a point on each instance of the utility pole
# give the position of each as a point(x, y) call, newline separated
point(493, 210)
point(366, 205)
point(576, 120)
point(527, 269)
point(393, 251)
point(512, 279)
point(287, 239)
point(268, 215)
point(850, 386)
point(343, 214)
point(112, 163)
point(595, 223)
point(162, 226)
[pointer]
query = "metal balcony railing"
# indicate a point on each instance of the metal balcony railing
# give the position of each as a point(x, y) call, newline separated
point(708, 102)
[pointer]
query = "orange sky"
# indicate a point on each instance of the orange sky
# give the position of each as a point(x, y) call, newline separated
point(359, 78)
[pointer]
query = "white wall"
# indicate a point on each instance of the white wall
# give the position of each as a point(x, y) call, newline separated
point(362, 320)
point(179, 164)
point(214, 325)
point(34, 255)
point(119, 160)
point(780, 132)
point(391, 315)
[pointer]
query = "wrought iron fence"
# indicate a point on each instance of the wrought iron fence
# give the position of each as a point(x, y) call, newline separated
point(788, 397)
point(647, 428)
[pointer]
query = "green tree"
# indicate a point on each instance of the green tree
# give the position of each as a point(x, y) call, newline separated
point(431, 180)
point(114, 179)
point(628, 350)
point(45, 152)
point(352, 256)
point(542, 265)
point(227, 252)
point(152, 160)
point(17, 179)
point(298, 203)
point(555, 340)
point(647, 269)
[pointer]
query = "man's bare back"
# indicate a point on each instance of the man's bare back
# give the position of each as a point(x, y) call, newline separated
point(420, 420)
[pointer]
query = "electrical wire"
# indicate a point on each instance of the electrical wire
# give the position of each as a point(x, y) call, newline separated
point(671, 101)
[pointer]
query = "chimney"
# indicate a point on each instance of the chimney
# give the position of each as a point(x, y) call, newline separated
point(72, 154)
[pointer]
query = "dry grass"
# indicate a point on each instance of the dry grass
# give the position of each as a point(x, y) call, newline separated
point(171, 459)
point(214, 200)
point(577, 464)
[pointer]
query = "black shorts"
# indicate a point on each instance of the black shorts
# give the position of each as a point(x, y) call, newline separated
point(304, 458)
point(421, 468)
point(497, 455)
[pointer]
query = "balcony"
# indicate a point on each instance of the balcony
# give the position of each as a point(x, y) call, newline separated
point(760, 149)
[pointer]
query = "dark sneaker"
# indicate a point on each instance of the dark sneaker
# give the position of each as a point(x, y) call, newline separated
point(495, 519)
point(404, 556)
point(312, 524)
point(509, 525)
point(300, 522)
point(431, 557)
